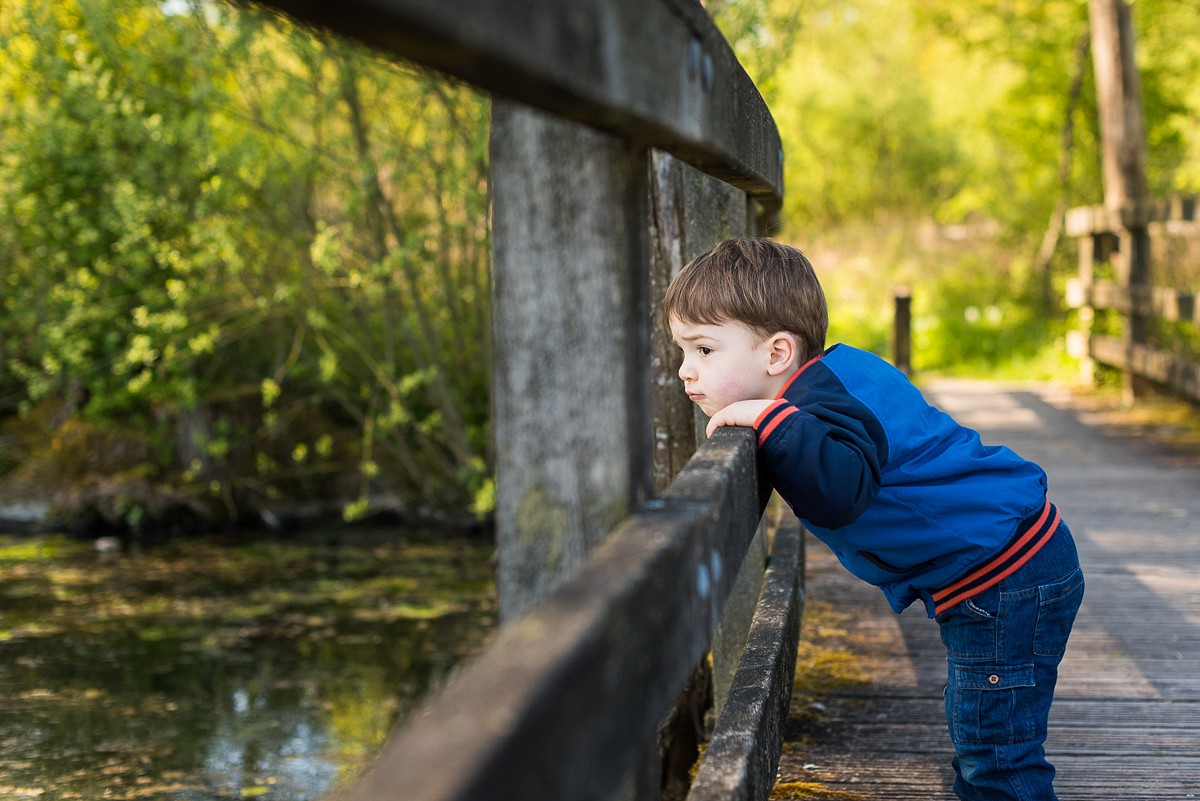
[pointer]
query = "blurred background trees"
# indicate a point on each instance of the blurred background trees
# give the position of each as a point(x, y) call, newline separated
point(936, 144)
point(244, 266)
point(243, 263)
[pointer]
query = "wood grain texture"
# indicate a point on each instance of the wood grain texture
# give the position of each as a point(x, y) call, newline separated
point(563, 701)
point(657, 73)
point(740, 762)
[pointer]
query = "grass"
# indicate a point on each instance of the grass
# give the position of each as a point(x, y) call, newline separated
point(796, 791)
point(825, 661)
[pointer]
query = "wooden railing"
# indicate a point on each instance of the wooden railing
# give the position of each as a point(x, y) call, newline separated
point(565, 701)
point(626, 138)
point(1119, 241)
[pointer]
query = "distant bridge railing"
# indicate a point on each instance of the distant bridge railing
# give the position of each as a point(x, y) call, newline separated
point(626, 138)
point(1115, 273)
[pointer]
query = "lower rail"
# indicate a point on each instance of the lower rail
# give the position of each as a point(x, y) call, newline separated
point(741, 760)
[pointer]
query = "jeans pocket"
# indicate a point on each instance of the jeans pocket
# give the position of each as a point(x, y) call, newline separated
point(987, 704)
point(970, 629)
point(1058, 604)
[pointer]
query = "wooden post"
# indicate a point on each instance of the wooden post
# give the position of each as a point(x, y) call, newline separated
point(571, 405)
point(690, 211)
point(1123, 138)
point(902, 331)
point(1079, 296)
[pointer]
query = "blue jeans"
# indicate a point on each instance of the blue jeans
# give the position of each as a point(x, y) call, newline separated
point(1003, 647)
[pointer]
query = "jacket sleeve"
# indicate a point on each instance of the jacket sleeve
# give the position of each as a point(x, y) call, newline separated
point(824, 459)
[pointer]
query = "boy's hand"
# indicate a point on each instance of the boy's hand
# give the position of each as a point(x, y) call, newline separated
point(741, 413)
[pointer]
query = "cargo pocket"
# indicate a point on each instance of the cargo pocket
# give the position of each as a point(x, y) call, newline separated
point(985, 705)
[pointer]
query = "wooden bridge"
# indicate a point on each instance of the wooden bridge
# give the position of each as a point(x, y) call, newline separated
point(626, 138)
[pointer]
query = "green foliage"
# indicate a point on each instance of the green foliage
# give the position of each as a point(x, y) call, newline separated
point(264, 248)
point(98, 200)
point(983, 321)
point(977, 306)
point(860, 130)
point(1169, 61)
point(978, 118)
point(944, 110)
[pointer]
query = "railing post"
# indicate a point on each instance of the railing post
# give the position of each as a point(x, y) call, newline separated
point(688, 212)
point(1079, 297)
point(1123, 148)
point(1134, 270)
point(902, 331)
point(570, 320)
point(575, 450)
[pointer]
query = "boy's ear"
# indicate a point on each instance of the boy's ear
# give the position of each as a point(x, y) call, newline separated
point(783, 353)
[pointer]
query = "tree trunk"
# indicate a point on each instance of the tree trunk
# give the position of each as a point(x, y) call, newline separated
point(1123, 145)
point(1045, 256)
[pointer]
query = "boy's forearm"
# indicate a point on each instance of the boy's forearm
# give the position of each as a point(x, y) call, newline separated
point(741, 413)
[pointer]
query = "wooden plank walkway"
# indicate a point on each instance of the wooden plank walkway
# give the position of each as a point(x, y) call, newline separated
point(1126, 719)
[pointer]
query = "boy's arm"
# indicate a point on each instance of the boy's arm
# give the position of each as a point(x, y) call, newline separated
point(825, 460)
point(741, 413)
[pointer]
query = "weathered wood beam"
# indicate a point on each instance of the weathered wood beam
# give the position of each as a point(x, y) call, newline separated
point(655, 72)
point(1088, 220)
point(570, 401)
point(1163, 367)
point(688, 212)
point(563, 700)
point(1172, 305)
point(740, 762)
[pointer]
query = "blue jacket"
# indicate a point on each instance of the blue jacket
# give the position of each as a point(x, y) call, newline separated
point(908, 499)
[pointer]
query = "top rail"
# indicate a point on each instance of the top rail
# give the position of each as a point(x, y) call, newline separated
point(657, 73)
point(1088, 220)
point(562, 702)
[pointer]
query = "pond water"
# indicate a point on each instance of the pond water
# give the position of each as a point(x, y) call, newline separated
point(216, 669)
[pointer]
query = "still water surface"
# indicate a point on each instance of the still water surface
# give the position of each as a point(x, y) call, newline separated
point(213, 669)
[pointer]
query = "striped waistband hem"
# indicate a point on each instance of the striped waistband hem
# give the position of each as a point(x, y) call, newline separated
point(1029, 540)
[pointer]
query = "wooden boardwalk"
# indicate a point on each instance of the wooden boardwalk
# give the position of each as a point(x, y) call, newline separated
point(1126, 719)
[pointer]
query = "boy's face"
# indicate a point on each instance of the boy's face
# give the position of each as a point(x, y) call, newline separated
point(722, 363)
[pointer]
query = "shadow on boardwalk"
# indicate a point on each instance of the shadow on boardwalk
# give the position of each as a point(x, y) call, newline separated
point(1126, 719)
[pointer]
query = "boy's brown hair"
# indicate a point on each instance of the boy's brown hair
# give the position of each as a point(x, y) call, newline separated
point(763, 284)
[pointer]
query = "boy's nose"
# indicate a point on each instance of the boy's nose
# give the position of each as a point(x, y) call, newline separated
point(685, 371)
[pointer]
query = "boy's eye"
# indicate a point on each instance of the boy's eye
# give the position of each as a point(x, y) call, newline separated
point(704, 351)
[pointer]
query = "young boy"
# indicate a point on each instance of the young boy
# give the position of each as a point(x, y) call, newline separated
point(907, 499)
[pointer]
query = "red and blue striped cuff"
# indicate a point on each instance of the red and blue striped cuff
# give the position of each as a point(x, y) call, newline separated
point(771, 417)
